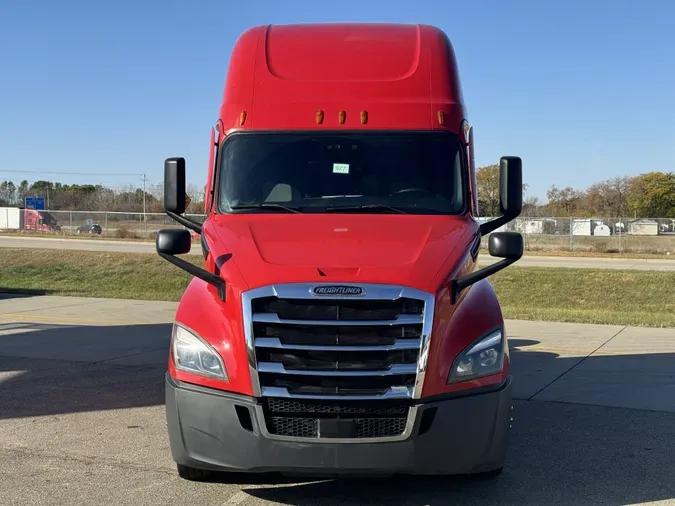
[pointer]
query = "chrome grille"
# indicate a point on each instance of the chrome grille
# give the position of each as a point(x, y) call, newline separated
point(337, 348)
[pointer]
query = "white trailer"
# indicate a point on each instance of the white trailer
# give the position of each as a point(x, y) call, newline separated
point(11, 218)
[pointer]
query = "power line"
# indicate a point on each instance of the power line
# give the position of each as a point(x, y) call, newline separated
point(59, 173)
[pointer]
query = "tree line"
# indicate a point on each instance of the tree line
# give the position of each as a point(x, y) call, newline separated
point(648, 195)
point(88, 197)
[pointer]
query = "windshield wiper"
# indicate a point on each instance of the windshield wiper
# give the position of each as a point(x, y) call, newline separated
point(364, 207)
point(290, 209)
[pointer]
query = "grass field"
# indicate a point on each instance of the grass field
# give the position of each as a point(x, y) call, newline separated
point(645, 298)
point(642, 246)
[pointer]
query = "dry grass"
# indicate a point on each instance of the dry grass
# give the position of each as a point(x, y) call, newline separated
point(661, 247)
point(645, 298)
point(597, 254)
point(622, 297)
point(629, 244)
point(92, 274)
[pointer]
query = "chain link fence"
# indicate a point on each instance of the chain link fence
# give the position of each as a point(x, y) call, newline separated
point(604, 235)
point(102, 224)
point(610, 235)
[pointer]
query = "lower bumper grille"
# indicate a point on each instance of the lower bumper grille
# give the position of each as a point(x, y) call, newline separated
point(291, 418)
point(363, 427)
point(293, 427)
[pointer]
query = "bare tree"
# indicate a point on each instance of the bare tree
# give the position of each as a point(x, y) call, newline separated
point(609, 197)
point(564, 202)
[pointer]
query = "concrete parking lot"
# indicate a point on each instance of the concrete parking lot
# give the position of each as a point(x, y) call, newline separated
point(82, 417)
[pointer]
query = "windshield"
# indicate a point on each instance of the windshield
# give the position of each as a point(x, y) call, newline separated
point(310, 172)
point(47, 218)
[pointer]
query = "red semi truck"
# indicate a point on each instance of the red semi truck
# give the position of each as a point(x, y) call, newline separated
point(340, 324)
point(17, 218)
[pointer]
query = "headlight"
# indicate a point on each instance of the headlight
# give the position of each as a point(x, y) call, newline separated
point(194, 355)
point(483, 358)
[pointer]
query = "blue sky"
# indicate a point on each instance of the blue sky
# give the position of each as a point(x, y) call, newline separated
point(581, 90)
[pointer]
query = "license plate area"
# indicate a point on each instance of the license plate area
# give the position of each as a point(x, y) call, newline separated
point(333, 428)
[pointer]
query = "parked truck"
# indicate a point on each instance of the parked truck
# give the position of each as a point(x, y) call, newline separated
point(16, 218)
point(40, 221)
point(339, 324)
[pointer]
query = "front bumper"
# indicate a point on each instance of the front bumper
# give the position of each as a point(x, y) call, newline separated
point(467, 434)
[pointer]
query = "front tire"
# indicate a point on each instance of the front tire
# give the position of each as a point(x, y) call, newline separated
point(192, 473)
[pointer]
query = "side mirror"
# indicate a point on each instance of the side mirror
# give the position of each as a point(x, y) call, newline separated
point(173, 242)
point(510, 186)
point(174, 185)
point(507, 245)
point(510, 193)
point(174, 193)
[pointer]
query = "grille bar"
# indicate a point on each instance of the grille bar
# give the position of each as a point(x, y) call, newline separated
point(287, 407)
point(279, 368)
point(401, 320)
point(399, 344)
point(391, 393)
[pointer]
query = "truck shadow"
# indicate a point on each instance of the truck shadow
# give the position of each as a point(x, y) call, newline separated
point(23, 293)
point(48, 369)
point(560, 453)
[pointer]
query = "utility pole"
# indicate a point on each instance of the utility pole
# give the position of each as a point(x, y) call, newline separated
point(145, 222)
point(144, 181)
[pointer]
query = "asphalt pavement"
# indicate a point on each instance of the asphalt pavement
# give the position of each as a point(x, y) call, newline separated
point(82, 417)
point(526, 261)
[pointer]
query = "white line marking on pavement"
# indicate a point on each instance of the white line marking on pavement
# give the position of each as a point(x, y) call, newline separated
point(236, 499)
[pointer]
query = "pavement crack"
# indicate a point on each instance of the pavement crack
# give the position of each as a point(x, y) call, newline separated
point(63, 362)
point(88, 460)
point(131, 355)
point(575, 365)
point(61, 306)
point(615, 407)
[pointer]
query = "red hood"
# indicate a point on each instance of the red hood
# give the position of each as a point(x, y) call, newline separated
point(266, 249)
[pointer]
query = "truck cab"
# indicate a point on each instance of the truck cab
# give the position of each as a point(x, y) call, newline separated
point(339, 322)
point(40, 221)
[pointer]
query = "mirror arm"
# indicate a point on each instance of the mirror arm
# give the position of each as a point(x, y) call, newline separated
point(489, 226)
point(192, 225)
point(460, 284)
point(197, 272)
